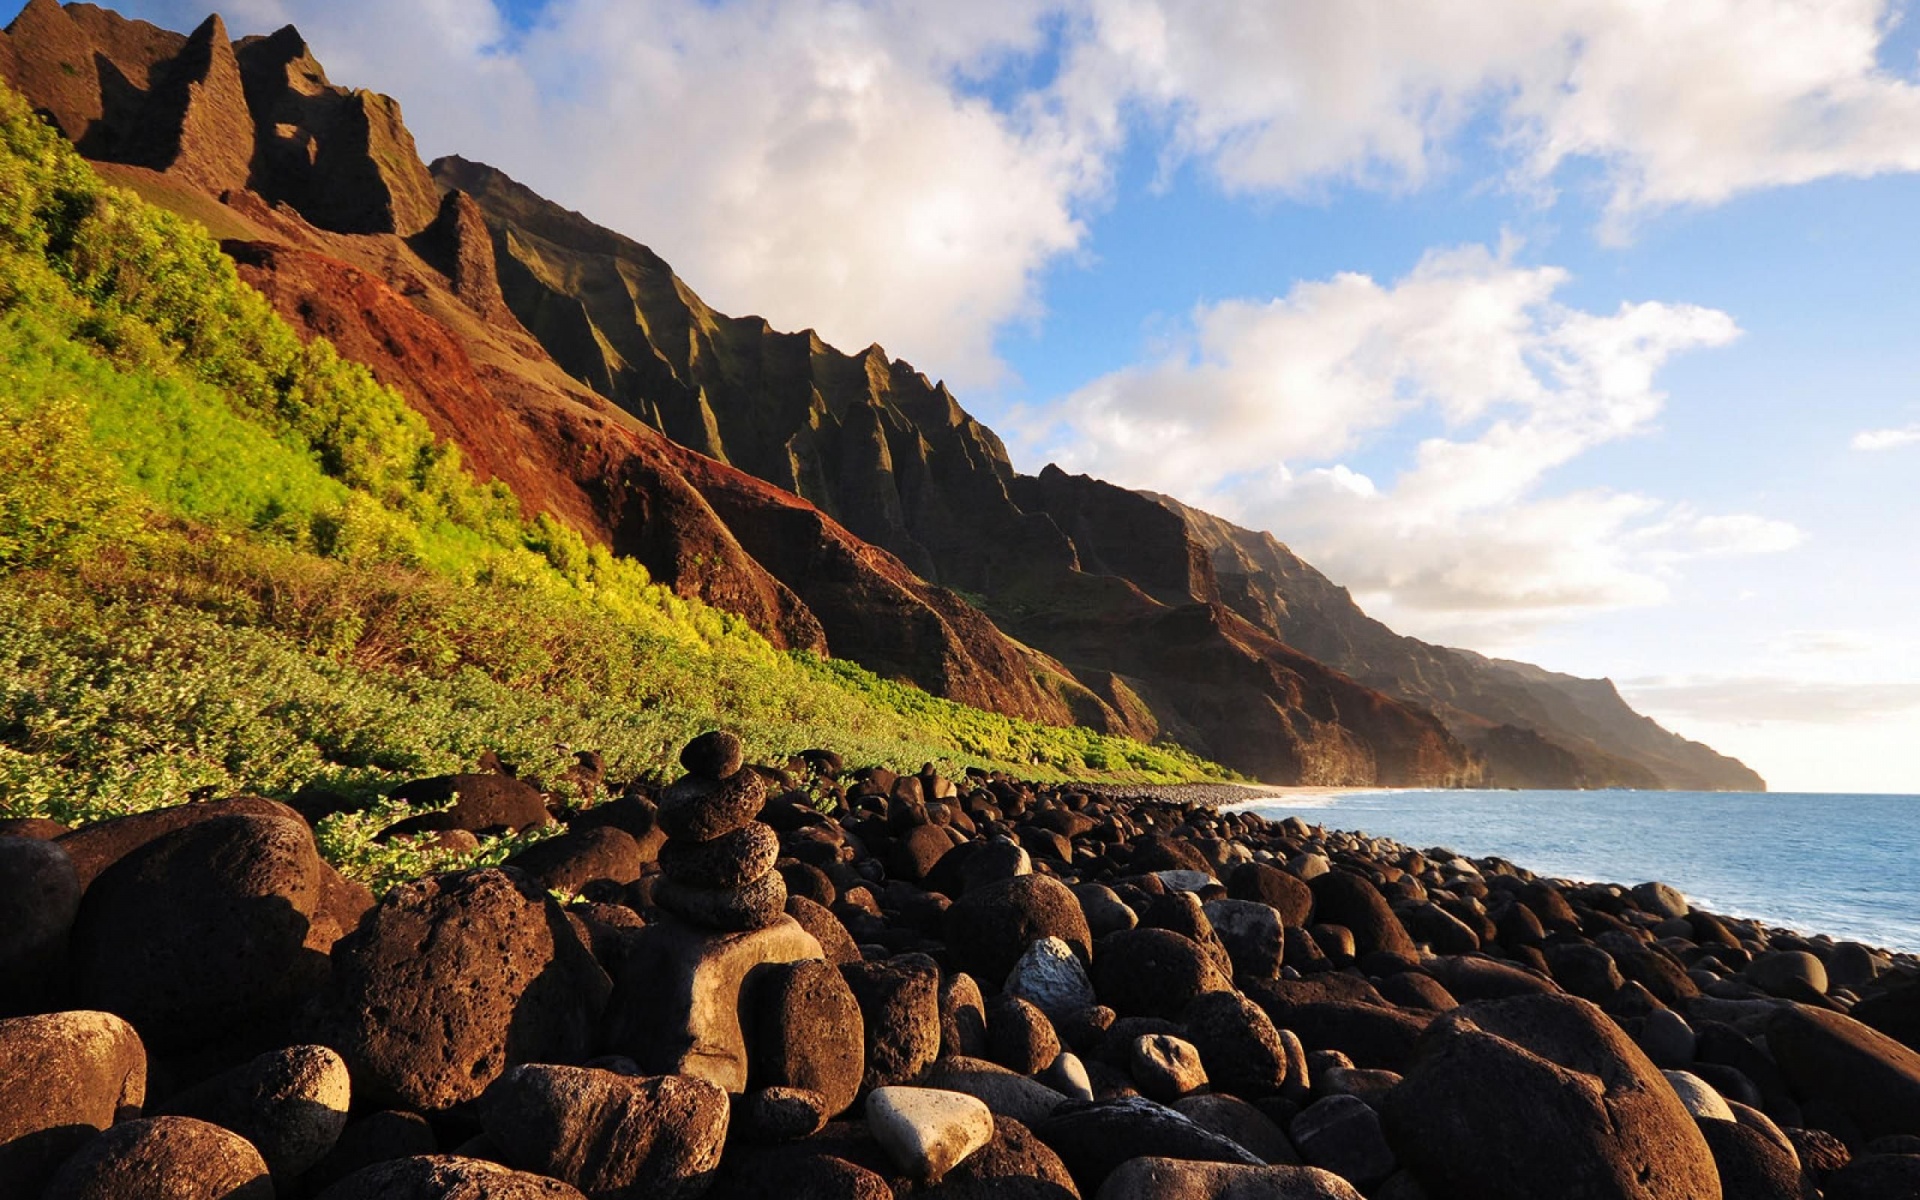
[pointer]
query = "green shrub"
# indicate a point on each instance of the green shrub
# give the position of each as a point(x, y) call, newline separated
point(231, 560)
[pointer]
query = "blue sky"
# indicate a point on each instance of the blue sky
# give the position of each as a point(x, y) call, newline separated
point(1551, 330)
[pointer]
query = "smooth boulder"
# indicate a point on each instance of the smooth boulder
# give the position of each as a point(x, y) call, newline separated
point(927, 1131)
point(201, 934)
point(39, 899)
point(990, 927)
point(1153, 973)
point(1543, 1096)
point(164, 1158)
point(1051, 977)
point(1348, 900)
point(64, 1077)
point(291, 1104)
point(1093, 1139)
point(1178, 1179)
point(614, 1137)
point(446, 1177)
point(807, 1032)
point(1858, 1070)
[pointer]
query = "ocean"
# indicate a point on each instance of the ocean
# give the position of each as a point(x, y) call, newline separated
point(1837, 864)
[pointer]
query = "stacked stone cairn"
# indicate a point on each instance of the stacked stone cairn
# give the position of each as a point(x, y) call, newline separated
point(718, 860)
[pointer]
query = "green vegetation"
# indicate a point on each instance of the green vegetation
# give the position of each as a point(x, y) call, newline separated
point(351, 842)
point(233, 561)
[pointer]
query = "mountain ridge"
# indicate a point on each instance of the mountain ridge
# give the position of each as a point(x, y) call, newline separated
point(1500, 707)
point(840, 502)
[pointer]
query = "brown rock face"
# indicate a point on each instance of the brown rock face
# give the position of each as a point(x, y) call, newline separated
point(451, 980)
point(1544, 1096)
point(200, 935)
point(196, 123)
point(1108, 586)
point(341, 157)
point(63, 1078)
point(1535, 728)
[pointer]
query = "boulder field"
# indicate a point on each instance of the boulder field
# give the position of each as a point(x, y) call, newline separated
point(793, 981)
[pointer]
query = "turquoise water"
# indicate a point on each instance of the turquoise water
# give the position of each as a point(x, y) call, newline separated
point(1837, 864)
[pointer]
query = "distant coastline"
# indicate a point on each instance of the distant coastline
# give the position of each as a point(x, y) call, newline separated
point(1767, 856)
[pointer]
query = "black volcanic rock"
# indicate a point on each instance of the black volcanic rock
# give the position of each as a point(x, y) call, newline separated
point(201, 934)
point(1598, 1118)
point(449, 981)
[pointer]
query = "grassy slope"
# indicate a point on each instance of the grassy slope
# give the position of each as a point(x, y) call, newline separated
point(232, 561)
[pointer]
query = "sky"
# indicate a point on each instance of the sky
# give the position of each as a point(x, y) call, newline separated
point(1582, 333)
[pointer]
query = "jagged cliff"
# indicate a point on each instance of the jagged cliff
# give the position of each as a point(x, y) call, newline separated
point(321, 199)
point(902, 465)
point(1536, 728)
point(893, 456)
point(839, 502)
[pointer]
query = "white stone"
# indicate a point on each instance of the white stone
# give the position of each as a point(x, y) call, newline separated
point(1698, 1095)
point(1309, 866)
point(1185, 881)
point(1049, 976)
point(927, 1132)
point(1177, 1179)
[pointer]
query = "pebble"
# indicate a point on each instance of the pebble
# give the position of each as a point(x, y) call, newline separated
point(1701, 1100)
point(926, 1131)
point(1166, 1067)
point(1050, 976)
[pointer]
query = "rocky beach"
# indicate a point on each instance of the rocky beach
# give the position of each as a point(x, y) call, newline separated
point(800, 980)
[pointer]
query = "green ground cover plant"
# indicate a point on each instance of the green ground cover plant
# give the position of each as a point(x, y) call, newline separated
point(232, 561)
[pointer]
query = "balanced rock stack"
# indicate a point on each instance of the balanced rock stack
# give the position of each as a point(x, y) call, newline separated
point(718, 859)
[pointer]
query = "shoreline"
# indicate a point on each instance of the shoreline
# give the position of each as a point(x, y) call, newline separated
point(1075, 992)
point(1706, 881)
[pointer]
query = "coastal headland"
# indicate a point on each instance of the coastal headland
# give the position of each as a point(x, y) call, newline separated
point(797, 979)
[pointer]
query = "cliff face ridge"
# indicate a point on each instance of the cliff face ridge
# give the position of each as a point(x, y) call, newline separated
point(1535, 728)
point(1107, 583)
point(842, 503)
point(321, 199)
point(1082, 569)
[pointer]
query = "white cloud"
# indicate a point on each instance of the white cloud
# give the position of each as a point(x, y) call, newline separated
point(1822, 643)
point(829, 163)
point(816, 162)
point(1263, 409)
point(1773, 700)
point(1679, 103)
point(1886, 439)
